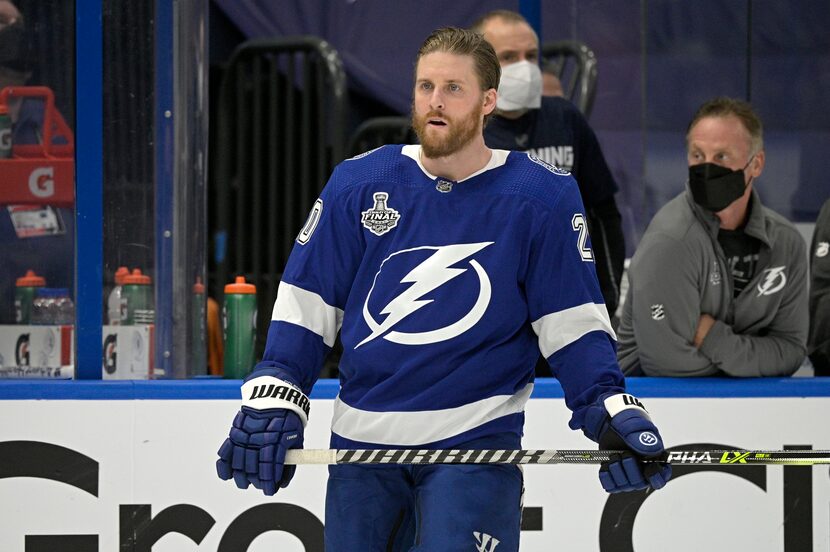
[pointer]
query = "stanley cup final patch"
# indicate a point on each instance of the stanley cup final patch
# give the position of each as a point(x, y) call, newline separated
point(380, 219)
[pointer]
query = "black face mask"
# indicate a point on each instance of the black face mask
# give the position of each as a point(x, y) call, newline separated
point(715, 187)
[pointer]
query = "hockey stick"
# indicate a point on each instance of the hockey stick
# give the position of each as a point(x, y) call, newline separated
point(540, 456)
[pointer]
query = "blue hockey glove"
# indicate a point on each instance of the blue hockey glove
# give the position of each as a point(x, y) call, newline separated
point(626, 426)
point(271, 421)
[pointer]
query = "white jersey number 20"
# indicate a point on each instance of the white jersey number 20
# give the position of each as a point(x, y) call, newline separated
point(580, 225)
point(311, 222)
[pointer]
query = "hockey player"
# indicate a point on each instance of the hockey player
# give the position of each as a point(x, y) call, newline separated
point(446, 267)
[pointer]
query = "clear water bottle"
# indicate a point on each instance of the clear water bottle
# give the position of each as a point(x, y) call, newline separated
point(64, 308)
point(53, 307)
point(43, 306)
point(115, 306)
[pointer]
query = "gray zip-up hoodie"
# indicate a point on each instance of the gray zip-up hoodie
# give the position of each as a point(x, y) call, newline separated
point(679, 272)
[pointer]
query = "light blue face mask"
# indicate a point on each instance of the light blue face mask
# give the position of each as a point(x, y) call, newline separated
point(520, 87)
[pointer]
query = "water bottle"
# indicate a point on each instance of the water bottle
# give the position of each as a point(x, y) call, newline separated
point(239, 325)
point(64, 308)
point(199, 328)
point(137, 298)
point(24, 295)
point(43, 306)
point(52, 307)
point(115, 311)
point(5, 132)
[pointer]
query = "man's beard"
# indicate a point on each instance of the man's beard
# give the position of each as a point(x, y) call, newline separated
point(462, 132)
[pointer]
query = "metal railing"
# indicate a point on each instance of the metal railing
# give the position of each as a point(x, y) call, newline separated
point(280, 132)
point(576, 66)
point(379, 131)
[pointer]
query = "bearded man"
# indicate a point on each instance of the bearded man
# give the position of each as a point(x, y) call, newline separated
point(446, 267)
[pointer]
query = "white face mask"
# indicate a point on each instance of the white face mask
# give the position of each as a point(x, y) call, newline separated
point(520, 87)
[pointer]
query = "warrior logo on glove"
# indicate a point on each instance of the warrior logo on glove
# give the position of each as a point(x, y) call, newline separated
point(649, 439)
point(265, 392)
point(284, 392)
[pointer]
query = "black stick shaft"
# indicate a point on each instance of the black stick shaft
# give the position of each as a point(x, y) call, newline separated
point(735, 457)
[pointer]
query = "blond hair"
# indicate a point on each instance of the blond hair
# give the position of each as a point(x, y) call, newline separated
point(464, 42)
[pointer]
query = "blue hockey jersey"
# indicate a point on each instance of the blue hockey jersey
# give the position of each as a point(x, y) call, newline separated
point(444, 292)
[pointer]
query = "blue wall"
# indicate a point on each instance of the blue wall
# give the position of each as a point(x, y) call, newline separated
point(658, 61)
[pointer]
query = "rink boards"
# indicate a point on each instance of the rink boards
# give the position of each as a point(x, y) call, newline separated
point(130, 465)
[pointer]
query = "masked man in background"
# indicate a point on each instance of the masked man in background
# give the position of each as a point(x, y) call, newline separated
point(553, 129)
point(718, 285)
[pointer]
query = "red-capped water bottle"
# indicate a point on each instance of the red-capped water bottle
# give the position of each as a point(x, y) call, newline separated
point(24, 295)
point(137, 296)
point(239, 324)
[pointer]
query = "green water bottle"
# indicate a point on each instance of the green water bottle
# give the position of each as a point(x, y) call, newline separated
point(24, 294)
point(199, 329)
point(137, 295)
point(239, 325)
point(5, 132)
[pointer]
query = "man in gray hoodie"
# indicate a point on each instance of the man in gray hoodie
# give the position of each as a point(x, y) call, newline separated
point(819, 342)
point(718, 285)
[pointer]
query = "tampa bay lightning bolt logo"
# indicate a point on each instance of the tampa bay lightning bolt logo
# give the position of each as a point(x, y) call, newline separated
point(429, 275)
point(773, 280)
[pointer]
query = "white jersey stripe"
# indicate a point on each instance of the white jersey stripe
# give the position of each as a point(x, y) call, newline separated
point(426, 426)
point(307, 309)
point(558, 329)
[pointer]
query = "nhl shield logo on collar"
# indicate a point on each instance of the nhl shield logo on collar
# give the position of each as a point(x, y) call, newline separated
point(380, 219)
point(444, 186)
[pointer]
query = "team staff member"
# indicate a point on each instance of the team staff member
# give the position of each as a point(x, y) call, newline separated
point(554, 130)
point(443, 314)
point(718, 285)
point(819, 342)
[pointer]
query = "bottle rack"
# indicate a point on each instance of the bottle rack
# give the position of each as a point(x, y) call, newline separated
point(39, 173)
